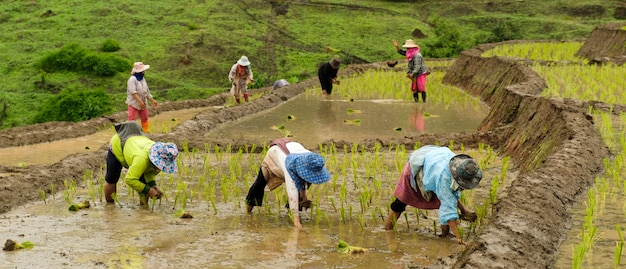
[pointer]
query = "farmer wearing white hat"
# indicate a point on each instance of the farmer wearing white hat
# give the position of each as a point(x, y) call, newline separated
point(240, 75)
point(143, 158)
point(417, 71)
point(138, 94)
point(290, 163)
point(433, 178)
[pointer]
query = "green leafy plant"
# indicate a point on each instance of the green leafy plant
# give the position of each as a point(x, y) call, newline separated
point(344, 247)
point(11, 245)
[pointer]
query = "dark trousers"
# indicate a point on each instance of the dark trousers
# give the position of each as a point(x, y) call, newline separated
point(257, 191)
point(398, 206)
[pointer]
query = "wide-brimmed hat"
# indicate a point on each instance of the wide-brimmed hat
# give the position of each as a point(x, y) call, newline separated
point(465, 171)
point(335, 62)
point(310, 167)
point(243, 61)
point(409, 43)
point(139, 67)
point(163, 156)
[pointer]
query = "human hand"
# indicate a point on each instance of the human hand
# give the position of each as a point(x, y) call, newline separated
point(395, 43)
point(409, 75)
point(142, 105)
point(306, 204)
point(468, 216)
point(154, 103)
point(154, 192)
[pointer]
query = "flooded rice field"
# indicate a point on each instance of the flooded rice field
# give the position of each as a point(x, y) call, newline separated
point(211, 186)
point(350, 207)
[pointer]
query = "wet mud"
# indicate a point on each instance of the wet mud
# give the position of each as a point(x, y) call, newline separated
point(552, 142)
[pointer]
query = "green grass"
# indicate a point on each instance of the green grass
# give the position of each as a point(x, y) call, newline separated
point(191, 44)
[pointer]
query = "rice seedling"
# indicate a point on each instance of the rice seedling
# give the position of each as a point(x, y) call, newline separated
point(619, 245)
point(551, 51)
point(42, 195)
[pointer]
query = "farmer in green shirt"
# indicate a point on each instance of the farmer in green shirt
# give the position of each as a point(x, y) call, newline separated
point(143, 157)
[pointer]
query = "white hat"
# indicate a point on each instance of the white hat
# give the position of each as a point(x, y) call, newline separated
point(409, 43)
point(243, 61)
point(139, 67)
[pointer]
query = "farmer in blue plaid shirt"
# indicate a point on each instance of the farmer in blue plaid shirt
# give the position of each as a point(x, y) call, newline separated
point(290, 163)
point(433, 178)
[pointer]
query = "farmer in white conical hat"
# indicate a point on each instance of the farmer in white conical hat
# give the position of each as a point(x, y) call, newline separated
point(240, 75)
point(433, 178)
point(417, 70)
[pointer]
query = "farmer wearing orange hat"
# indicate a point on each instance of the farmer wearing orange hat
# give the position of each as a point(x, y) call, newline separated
point(433, 178)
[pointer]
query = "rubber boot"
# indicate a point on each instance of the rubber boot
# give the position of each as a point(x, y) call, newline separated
point(245, 96)
point(109, 190)
point(424, 97)
point(416, 97)
point(145, 126)
point(237, 100)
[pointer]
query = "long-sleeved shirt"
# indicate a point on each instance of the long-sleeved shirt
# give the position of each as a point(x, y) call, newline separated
point(140, 88)
point(326, 72)
point(275, 157)
point(416, 64)
point(134, 156)
point(434, 162)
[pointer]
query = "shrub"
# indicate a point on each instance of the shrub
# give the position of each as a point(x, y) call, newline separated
point(74, 58)
point(75, 105)
point(110, 45)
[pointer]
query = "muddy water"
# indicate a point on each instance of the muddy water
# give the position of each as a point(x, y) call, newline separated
point(222, 235)
point(311, 120)
point(52, 152)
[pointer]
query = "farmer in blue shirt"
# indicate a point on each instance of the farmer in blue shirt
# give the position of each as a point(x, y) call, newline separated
point(433, 178)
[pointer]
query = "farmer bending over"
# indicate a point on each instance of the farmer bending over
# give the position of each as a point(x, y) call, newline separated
point(144, 159)
point(433, 178)
point(290, 163)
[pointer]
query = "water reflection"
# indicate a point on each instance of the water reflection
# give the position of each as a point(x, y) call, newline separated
point(316, 121)
point(417, 119)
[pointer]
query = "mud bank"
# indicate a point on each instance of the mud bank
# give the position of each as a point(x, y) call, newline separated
point(556, 147)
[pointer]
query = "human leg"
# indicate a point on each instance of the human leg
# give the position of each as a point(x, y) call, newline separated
point(113, 171)
point(143, 115)
point(424, 97)
point(397, 207)
point(132, 113)
point(256, 192)
point(327, 86)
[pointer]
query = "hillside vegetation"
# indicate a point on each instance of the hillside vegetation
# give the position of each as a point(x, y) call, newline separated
point(191, 44)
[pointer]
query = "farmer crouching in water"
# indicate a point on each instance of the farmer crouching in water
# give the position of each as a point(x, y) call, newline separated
point(290, 163)
point(144, 159)
point(433, 178)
